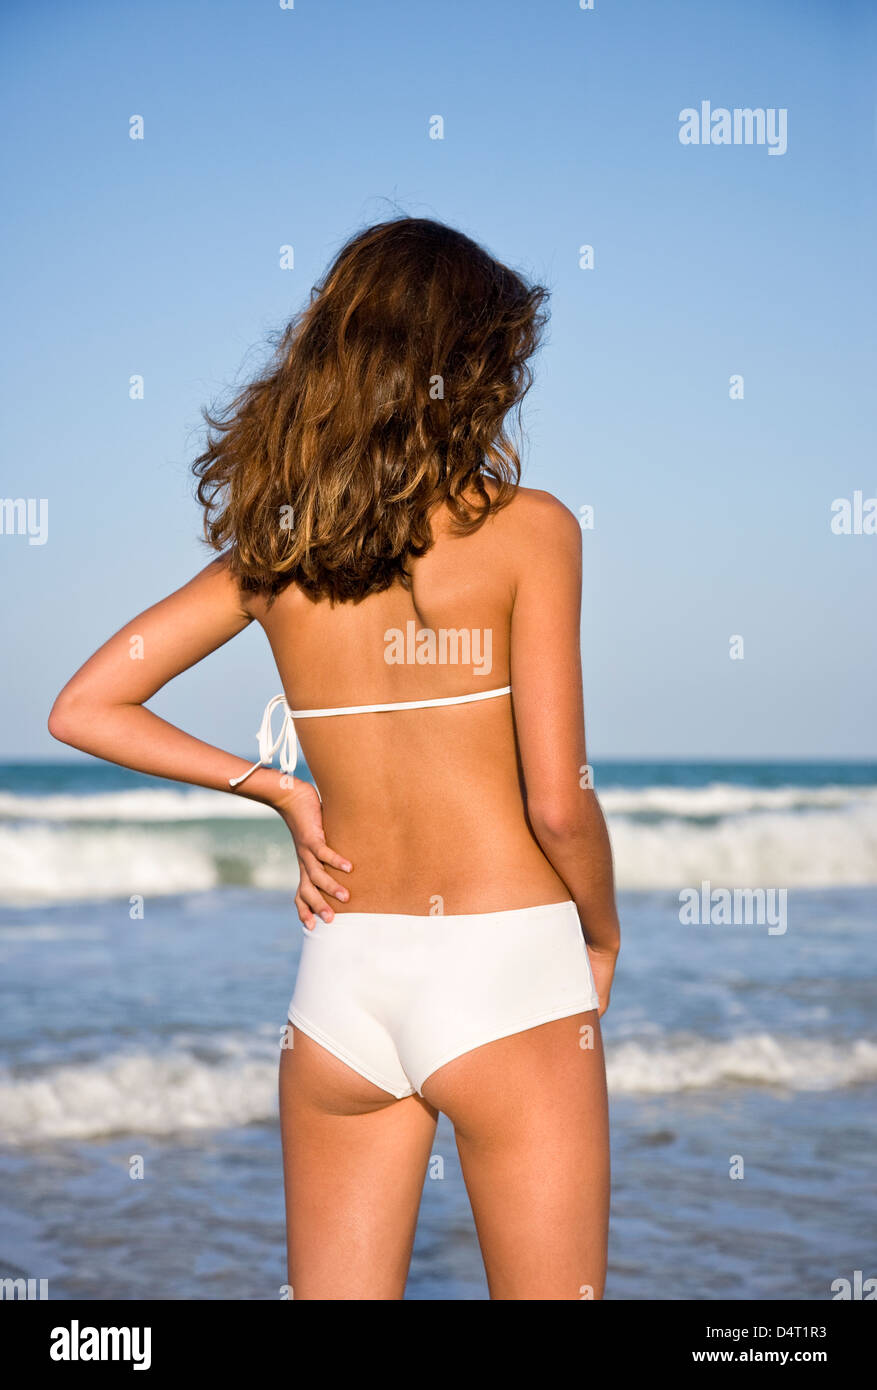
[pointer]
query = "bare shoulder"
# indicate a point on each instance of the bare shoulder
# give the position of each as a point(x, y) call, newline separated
point(537, 519)
point(217, 582)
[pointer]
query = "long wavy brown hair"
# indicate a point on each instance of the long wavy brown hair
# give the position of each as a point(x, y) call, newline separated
point(387, 395)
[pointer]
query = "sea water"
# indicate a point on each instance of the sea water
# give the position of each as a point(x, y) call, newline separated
point(148, 948)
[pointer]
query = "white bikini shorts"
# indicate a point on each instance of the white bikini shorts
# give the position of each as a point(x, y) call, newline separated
point(396, 996)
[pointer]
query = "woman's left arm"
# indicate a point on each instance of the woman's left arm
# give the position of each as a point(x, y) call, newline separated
point(101, 708)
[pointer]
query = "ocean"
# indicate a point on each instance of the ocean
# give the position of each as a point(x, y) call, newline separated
point(148, 947)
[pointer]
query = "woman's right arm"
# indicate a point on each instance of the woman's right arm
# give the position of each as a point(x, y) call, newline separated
point(546, 677)
point(102, 710)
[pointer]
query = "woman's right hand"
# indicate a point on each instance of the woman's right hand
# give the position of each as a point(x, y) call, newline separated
point(301, 809)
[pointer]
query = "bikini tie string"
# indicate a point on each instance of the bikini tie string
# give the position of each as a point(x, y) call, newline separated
point(285, 744)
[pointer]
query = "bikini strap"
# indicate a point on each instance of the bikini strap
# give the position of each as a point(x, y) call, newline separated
point(403, 704)
point(286, 743)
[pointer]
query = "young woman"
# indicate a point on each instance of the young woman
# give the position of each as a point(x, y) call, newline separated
point(423, 612)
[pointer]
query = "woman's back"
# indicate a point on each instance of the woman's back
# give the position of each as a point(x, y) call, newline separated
point(426, 803)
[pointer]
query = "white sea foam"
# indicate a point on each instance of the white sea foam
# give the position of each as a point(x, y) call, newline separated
point(170, 804)
point(145, 1094)
point(160, 842)
point(719, 799)
point(765, 849)
point(51, 863)
point(146, 805)
point(795, 1064)
point(138, 1094)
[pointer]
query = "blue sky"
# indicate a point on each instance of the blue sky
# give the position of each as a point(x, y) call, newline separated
point(266, 127)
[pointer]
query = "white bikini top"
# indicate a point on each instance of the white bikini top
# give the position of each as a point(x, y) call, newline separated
point(286, 742)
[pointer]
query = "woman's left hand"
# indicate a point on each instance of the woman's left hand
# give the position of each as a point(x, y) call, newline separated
point(301, 809)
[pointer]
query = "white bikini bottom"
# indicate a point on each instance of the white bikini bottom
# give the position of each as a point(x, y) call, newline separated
point(396, 996)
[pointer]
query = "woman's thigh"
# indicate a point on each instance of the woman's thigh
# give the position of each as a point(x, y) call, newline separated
point(531, 1118)
point(354, 1162)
